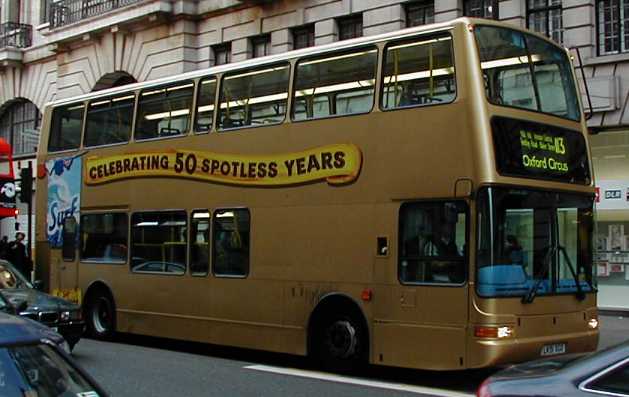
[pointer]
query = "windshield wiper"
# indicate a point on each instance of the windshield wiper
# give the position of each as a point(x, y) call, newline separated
point(532, 292)
point(580, 294)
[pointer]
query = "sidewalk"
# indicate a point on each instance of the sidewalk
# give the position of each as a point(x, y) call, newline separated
point(614, 329)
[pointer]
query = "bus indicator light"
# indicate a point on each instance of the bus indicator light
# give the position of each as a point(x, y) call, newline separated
point(366, 295)
point(501, 332)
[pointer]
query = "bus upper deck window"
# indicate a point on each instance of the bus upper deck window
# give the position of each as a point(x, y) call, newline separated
point(164, 111)
point(205, 105)
point(254, 97)
point(65, 132)
point(337, 84)
point(419, 72)
point(109, 120)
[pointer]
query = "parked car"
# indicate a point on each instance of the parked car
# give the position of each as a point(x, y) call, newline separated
point(61, 315)
point(33, 364)
point(8, 315)
point(604, 373)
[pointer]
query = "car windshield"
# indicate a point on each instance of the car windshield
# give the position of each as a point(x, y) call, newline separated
point(38, 370)
point(534, 242)
point(11, 278)
point(524, 71)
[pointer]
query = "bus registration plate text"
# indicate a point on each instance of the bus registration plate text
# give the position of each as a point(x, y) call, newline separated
point(554, 349)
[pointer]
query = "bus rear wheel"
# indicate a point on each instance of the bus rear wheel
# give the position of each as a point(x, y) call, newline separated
point(340, 343)
point(101, 316)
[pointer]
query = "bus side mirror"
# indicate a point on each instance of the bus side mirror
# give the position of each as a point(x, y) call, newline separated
point(38, 285)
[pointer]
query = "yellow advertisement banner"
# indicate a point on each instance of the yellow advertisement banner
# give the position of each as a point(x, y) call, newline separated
point(73, 295)
point(337, 164)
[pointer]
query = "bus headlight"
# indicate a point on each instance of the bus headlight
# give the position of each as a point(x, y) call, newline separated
point(593, 323)
point(495, 332)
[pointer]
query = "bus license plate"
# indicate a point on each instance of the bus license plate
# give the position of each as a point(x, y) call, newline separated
point(554, 349)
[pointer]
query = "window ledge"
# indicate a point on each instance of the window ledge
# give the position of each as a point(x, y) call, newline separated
point(43, 26)
point(605, 59)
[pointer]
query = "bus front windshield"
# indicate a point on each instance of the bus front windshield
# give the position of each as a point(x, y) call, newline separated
point(534, 242)
point(524, 71)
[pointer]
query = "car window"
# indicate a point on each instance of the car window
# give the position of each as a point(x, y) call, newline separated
point(11, 278)
point(616, 381)
point(39, 370)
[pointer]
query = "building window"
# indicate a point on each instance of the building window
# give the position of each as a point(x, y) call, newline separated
point(613, 26)
point(19, 125)
point(350, 27)
point(231, 242)
point(222, 54)
point(260, 46)
point(481, 9)
point(44, 15)
point(420, 13)
point(544, 16)
point(303, 37)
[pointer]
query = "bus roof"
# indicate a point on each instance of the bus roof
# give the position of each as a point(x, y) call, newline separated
point(304, 52)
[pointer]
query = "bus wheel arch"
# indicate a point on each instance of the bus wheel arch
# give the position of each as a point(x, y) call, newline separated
point(338, 334)
point(99, 310)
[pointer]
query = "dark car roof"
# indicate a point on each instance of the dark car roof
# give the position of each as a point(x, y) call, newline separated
point(575, 367)
point(16, 330)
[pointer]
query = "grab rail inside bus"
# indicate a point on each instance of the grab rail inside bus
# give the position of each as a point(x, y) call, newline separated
point(585, 83)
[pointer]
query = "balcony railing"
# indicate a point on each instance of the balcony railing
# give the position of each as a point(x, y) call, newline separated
point(65, 12)
point(16, 35)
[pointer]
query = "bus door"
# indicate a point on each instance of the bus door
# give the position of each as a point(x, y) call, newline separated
point(68, 281)
point(427, 327)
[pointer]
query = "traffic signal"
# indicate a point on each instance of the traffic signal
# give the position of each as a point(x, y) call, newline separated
point(26, 185)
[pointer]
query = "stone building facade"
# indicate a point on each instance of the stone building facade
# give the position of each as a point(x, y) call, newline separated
point(53, 49)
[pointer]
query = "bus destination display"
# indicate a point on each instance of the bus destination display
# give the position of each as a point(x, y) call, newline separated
point(533, 150)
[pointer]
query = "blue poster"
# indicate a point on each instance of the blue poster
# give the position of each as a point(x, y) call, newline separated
point(64, 196)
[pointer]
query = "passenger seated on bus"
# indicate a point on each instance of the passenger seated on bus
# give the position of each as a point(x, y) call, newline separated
point(513, 251)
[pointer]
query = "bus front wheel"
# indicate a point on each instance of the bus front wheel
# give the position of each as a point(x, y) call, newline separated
point(340, 343)
point(101, 316)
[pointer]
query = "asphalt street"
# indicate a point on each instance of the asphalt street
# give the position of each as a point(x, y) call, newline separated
point(141, 366)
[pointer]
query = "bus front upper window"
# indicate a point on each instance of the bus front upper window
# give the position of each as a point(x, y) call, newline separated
point(523, 71)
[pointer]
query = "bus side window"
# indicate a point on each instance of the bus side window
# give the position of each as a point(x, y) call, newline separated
point(205, 105)
point(336, 84)
point(254, 97)
point(418, 72)
point(200, 243)
point(109, 120)
point(104, 237)
point(231, 242)
point(158, 242)
point(65, 132)
point(164, 111)
point(432, 242)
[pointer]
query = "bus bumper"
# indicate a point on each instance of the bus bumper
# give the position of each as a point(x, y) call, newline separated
point(493, 352)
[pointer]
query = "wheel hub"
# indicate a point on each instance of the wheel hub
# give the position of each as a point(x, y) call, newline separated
point(341, 339)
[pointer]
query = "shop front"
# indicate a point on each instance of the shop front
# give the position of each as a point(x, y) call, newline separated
point(610, 153)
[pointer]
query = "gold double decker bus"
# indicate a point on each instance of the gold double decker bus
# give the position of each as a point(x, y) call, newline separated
point(421, 199)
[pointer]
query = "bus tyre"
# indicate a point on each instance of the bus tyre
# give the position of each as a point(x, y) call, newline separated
point(340, 343)
point(100, 316)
